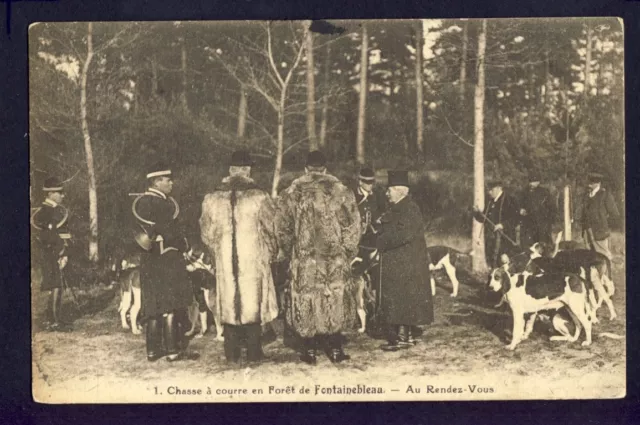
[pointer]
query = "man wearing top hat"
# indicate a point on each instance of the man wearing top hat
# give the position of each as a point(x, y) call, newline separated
point(406, 300)
point(165, 286)
point(237, 226)
point(500, 219)
point(318, 227)
point(598, 212)
point(537, 213)
point(51, 236)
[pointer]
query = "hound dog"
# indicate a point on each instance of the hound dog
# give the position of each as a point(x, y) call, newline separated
point(443, 257)
point(360, 267)
point(126, 270)
point(598, 266)
point(202, 276)
point(529, 294)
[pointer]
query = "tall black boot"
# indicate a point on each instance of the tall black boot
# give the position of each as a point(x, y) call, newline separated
point(254, 342)
point(171, 333)
point(231, 343)
point(308, 351)
point(337, 353)
point(154, 339)
point(395, 340)
point(404, 336)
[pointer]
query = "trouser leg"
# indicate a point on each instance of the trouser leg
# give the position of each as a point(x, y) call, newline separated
point(254, 343)
point(154, 339)
point(231, 343)
point(309, 350)
point(56, 305)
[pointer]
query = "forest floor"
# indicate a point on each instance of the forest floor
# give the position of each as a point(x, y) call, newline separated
point(461, 356)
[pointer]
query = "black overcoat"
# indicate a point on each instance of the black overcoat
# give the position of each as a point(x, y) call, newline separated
point(164, 279)
point(404, 266)
point(49, 224)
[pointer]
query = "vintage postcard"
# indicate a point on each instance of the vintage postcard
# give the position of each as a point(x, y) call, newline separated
point(379, 210)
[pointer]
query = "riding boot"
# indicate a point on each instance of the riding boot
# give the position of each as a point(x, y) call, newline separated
point(394, 340)
point(254, 343)
point(154, 339)
point(337, 353)
point(309, 351)
point(56, 305)
point(172, 339)
point(231, 343)
point(404, 335)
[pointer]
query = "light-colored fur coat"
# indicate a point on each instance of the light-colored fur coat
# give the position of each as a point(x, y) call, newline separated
point(237, 227)
point(318, 227)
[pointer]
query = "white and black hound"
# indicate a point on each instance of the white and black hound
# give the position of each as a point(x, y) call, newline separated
point(443, 257)
point(529, 294)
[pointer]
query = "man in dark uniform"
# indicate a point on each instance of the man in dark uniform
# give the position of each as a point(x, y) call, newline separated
point(371, 205)
point(165, 284)
point(598, 212)
point(51, 235)
point(404, 266)
point(500, 219)
point(537, 212)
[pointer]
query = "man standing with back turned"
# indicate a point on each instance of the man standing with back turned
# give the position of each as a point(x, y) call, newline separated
point(318, 230)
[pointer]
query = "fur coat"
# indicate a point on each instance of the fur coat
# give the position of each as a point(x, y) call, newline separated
point(237, 227)
point(318, 227)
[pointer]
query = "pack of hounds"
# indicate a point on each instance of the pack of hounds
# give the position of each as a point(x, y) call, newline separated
point(563, 283)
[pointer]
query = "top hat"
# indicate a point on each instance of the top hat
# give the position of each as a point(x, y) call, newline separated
point(398, 178)
point(367, 175)
point(52, 184)
point(241, 158)
point(316, 159)
point(159, 169)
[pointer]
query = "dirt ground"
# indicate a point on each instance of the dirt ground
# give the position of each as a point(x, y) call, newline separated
point(461, 356)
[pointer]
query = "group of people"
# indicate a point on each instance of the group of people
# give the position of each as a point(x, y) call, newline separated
point(511, 224)
point(318, 226)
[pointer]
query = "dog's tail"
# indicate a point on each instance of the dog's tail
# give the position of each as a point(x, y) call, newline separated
point(611, 335)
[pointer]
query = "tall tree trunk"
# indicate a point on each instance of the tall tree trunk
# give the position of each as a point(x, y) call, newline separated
point(364, 88)
point(183, 98)
point(419, 95)
point(547, 82)
point(242, 112)
point(311, 88)
point(279, 150)
point(463, 61)
point(325, 99)
point(93, 196)
point(587, 64)
point(154, 76)
point(477, 237)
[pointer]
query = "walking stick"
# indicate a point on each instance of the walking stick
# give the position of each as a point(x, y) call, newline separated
point(494, 225)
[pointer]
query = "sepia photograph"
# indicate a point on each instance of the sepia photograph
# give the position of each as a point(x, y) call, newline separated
point(327, 210)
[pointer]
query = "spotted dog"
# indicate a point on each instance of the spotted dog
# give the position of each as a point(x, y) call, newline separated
point(203, 280)
point(529, 294)
point(443, 257)
point(600, 285)
point(126, 270)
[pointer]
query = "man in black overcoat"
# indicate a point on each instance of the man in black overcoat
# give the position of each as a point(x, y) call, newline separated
point(51, 235)
point(500, 219)
point(164, 280)
point(537, 212)
point(406, 300)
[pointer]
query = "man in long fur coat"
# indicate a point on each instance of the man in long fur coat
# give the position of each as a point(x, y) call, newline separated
point(238, 228)
point(318, 227)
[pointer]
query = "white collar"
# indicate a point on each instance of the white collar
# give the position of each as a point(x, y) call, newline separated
point(594, 191)
point(50, 203)
point(157, 192)
point(498, 197)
